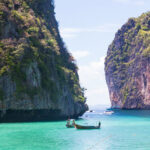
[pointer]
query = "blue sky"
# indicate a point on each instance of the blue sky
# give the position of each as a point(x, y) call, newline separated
point(88, 28)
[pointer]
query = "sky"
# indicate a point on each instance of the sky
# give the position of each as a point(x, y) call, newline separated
point(88, 27)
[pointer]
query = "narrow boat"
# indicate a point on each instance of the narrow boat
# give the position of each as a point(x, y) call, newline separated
point(87, 127)
point(108, 112)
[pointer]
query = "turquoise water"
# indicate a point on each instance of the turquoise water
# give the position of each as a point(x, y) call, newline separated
point(123, 130)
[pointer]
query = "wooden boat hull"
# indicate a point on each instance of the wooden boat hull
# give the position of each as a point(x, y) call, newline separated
point(86, 127)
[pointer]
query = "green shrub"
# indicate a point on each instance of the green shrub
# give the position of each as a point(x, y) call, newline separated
point(146, 52)
point(3, 70)
point(51, 42)
point(81, 98)
point(18, 16)
point(24, 4)
point(33, 30)
point(34, 41)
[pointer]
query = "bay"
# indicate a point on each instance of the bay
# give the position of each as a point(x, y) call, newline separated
point(122, 130)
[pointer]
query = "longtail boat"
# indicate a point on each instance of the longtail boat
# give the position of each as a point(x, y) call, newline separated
point(87, 127)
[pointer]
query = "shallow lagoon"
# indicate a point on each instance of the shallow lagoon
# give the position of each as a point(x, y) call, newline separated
point(120, 131)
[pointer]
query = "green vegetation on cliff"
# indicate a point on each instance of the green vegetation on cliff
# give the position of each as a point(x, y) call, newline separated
point(127, 63)
point(30, 46)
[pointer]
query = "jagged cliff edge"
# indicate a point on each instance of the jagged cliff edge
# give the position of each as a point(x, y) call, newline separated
point(127, 65)
point(38, 77)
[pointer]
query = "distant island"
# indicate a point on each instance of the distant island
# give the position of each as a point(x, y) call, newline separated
point(127, 65)
point(38, 76)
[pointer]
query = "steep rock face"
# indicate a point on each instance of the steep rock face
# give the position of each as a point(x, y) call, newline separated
point(127, 65)
point(38, 77)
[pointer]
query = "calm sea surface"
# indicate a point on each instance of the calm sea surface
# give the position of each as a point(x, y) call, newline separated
point(123, 130)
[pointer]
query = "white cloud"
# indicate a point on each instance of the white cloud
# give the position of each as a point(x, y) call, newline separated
point(92, 77)
point(131, 2)
point(80, 54)
point(69, 32)
point(97, 91)
point(74, 32)
point(93, 70)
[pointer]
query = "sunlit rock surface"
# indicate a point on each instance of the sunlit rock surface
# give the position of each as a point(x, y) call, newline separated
point(127, 65)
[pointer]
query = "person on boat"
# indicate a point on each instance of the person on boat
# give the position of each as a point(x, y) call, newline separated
point(99, 124)
point(73, 122)
point(68, 122)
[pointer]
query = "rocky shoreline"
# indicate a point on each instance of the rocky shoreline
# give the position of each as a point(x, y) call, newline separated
point(12, 116)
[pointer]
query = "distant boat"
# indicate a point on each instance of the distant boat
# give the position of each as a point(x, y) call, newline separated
point(90, 111)
point(87, 127)
point(108, 112)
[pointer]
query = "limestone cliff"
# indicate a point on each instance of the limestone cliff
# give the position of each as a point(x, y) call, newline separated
point(38, 76)
point(127, 65)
